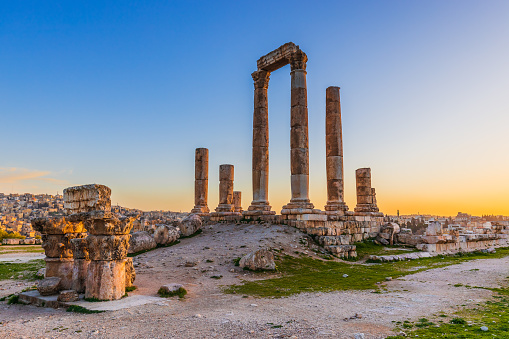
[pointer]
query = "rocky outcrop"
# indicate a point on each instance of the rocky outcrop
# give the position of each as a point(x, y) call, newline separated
point(141, 241)
point(262, 259)
point(190, 225)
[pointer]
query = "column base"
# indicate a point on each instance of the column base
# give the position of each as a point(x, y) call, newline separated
point(200, 210)
point(106, 279)
point(336, 208)
point(299, 206)
point(224, 214)
point(61, 268)
point(259, 208)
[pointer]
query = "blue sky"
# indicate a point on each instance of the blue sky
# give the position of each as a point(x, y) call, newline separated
point(120, 93)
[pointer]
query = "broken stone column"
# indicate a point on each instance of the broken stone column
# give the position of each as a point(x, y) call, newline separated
point(237, 201)
point(334, 153)
point(107, 244)
point(366, 203)
point(260, 204)
point(201, 181)
point(57, 234)
point(225, 206)
point(299, 143)
point(81, 263)
point(87, 198)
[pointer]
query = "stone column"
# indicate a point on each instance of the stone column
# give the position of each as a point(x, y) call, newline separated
point(201, 181)
point(81, 262)
point(225, 206)
point(365, 199)
point(237, 201)
point(334, 153)
point(260, 204)
point(57, 233)
point(299, 144)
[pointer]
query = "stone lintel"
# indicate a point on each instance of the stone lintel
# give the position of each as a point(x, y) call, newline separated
point(277, 58)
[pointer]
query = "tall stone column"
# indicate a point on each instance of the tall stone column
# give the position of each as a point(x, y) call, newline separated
point(201, 181)
point(366, 202)
point(334, 153)
point(260, 204)
point(226, 206)
point(299, 142)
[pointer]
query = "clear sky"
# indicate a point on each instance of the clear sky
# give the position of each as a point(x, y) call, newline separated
point(122, 92)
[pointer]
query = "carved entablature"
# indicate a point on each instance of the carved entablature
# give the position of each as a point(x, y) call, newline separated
point(283, 56)
point(298, 60)
point(261, 79)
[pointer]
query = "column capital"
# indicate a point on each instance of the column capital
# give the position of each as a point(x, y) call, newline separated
point(261, 79)
point(298, 60)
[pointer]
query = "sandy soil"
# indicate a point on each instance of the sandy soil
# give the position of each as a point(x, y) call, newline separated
point(208, 313)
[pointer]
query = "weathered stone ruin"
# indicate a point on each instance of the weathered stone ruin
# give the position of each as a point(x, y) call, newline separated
point(94, 263)
point(336, 228)
point(201, 181)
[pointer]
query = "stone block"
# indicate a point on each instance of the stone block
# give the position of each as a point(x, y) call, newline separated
point(141, 241)
point(190, 225)
point(87, 198)
point(130, 273)
point(106, 279)
point(61, 268)
point(57, 225)
point(79, 275)
point(165, 234)
point(106, 223)
point(49, 286)
point(261, 259)
point(108, 247)
point(68, 296)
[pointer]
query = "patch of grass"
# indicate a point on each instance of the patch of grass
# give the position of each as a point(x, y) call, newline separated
point(28, 270)
point(236, 261)
point(181, 292)
point(216, 276)
point(80, 309)
point(458, 321)
point(303, 274)
point(21, 248)
point(155, 248)
point(13, 299)
point(493, 314)
point(368, 247)
point(130, 289)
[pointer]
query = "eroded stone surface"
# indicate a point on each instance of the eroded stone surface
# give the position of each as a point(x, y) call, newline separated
point(141, 241)
point(61, 268)
point(57, 225)
point(201, 182)
point(106, 279)
point(67, 296)
point(190, 225)
point(49, 286)
point(130, 273)
point(108, 247)
point(165, 234)
point(87, 198)
point(59, 246)
point(262, 259)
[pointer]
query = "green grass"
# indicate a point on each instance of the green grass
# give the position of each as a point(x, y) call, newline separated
point(21, 248)
point(80, 309)
point(303, 274)
point(494, 314)
point(28, 270)
point(13, 299)
point(130, 288)
point(181, 292)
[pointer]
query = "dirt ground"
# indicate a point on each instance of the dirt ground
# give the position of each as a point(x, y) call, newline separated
point(208, 313)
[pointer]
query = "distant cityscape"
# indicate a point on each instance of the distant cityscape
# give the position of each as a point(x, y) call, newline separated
point(18, 210)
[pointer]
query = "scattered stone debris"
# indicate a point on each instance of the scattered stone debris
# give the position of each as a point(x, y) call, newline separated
point(262, 259)
point(141, 241)
point(49, 286)
point(190, 225)
point(68, 295)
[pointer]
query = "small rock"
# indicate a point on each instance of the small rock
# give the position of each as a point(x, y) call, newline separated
point(190, 225)
point(253, 305)
point(358, 336)
point(388, 278)
point(49, 286)
point(190, 263)
point(345, 275)
point(197, 316)
point(68, 295)
point(41, 273)
point(262, 259)
point(484, 328)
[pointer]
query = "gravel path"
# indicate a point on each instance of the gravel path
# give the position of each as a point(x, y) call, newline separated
point(208, 313)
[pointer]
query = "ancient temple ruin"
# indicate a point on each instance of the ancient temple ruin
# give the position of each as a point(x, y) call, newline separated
point(337, 227)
